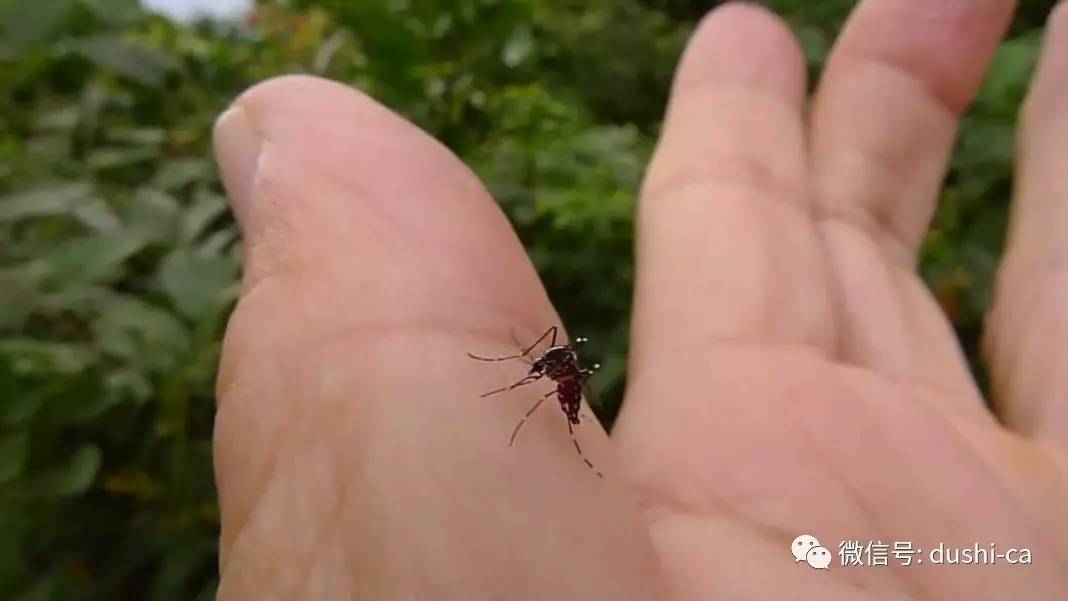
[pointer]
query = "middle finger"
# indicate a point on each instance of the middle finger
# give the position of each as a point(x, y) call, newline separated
point(882, 128)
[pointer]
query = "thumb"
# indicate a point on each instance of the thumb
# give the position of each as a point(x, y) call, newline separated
point(354, 457)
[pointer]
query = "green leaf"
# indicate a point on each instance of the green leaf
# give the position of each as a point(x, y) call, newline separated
point(81, 398)
point(116, 12)
point(12, 455)
point(43, 201)
point(206, 208)
point(197, 283)
point(62, 119)
point(128, 385)
point(137, 136)
point(1008, 77)
point(176, 173)
point(127, 58)
point(27, 23)
point(18, 298)
point(119, 156)
point(29, 357)
point(155, 214)
point(219, 242)
point(76, 477)
point(97, 215)
point(136, 332)
point(23, 406)
point(89, 259)
point(518, 48)
point(814, 44)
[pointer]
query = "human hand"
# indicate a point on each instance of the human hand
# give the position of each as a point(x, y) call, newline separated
point(789, 371)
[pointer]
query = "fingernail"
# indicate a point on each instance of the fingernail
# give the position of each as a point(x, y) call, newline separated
point(237, 151)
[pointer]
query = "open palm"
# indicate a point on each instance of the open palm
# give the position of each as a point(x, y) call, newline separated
point(790, 374)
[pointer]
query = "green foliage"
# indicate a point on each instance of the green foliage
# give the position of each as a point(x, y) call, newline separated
point(118, 262)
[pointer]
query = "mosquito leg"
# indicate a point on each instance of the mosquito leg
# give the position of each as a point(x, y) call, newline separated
point(523, 382)
point(571, 431)
point(525, 352)
point(552, 341)
point(511, 440)
point(518, 345)
point(508, 358)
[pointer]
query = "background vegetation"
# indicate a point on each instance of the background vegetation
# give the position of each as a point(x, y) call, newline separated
point(118, 260)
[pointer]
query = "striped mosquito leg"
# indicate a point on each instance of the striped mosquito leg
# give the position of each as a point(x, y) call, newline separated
point(523, 382)
point(511, 440)
point(525, 351)
point(494, 359)
point(571, 430)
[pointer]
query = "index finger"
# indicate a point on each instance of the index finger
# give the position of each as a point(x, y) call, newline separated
point(726, 251)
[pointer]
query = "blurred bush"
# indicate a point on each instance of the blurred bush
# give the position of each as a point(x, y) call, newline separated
point(118, 261)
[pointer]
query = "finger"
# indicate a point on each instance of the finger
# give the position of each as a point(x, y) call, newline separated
point(354, 457)
point(885, 113)
point(882, 128)
point(726, 250)
point(1029, 321)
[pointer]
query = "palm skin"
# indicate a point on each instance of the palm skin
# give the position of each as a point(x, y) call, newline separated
point(789, 372)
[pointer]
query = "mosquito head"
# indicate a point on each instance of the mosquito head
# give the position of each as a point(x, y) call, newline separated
point(580, 341)
point(537, 366)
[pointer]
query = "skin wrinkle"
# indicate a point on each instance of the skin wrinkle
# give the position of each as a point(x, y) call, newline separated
point(775, 546)
point(865, 509)
point(325, 566)
point(274, 451)
point(1028, 409)
point(244, 518)
point(743, 174)
point(963, 444)
point(839, 300)
point(880, 217)
point(327, 530)
point(889, 244)
point(959, 18)
point(655, 503)
point(915, 313)
point(960, 442)
point(748, 196)
point(1027, 309)
point(1040, 533)
point(951, 108)
point(223, 412)
point(493, 325)
point(752, 170)
point(271, 478)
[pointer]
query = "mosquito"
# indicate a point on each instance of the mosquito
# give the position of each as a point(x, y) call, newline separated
point(559, 363)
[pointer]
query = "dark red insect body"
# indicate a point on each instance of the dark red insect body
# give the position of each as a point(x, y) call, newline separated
point(559, 363)
point(569, 393)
